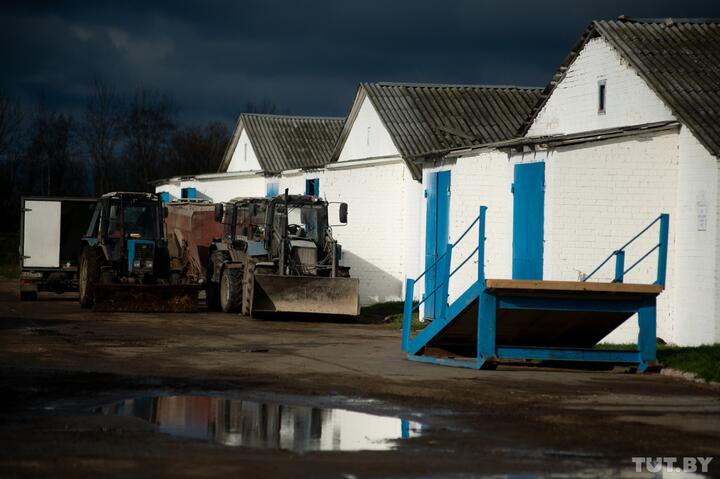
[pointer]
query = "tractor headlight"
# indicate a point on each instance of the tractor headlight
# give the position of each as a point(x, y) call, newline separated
point(136, 264)
point(148, 264)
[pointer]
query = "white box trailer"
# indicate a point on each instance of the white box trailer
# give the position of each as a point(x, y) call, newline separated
point(50, 233)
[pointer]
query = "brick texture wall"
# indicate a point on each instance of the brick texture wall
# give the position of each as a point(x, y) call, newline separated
point(573, 105)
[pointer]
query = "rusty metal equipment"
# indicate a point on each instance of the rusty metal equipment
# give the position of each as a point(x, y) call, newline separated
point(279, 256)
point(125, 263)
point(191, 230)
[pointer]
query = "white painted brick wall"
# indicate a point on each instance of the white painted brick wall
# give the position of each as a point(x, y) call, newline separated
point(697, 251)
point(368, 137)
point(373, 242)
point(171, 187)
point(717, 254)
point(597, 197)
point(243, 157)
point(573, 105)
point(482, 179)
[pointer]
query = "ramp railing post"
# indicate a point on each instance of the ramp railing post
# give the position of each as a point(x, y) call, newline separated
point(486, 302)
point(619, 266)
point(662, 252)
point(407, 313)
point(647, 319)
point(481, 247)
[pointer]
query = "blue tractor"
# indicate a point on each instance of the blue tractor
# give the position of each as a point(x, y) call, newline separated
point(125, 263)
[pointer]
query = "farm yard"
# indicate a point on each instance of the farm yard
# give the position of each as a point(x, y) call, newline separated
point(62, 365)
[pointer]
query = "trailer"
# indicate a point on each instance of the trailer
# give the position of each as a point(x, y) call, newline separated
point(50, 233)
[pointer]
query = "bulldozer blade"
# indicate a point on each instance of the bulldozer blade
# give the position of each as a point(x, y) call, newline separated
point(306, 294)
point(146, 298)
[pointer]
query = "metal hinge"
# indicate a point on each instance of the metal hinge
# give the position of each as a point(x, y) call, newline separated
point(26, 209)
point(26, 257)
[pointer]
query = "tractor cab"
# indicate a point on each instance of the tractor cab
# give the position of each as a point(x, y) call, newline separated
point(129, 229)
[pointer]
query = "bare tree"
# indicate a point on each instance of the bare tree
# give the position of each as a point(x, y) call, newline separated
point(11, 138)
point(197, 150)
point(100, 132)
point(147, 127)
point(51, 163)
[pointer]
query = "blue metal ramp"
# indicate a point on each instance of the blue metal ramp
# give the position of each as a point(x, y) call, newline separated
point(501, 319)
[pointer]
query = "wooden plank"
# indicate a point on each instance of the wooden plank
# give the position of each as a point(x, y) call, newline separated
point(509, 285)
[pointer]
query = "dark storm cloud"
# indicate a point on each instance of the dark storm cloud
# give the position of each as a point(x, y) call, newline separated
point(307, 57)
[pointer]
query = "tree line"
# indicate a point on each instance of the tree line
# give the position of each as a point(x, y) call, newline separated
point(116, 143)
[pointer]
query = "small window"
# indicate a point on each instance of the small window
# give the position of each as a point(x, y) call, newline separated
point(367, 141)
point(312, 187)
point(245, 152)
point(601, 96)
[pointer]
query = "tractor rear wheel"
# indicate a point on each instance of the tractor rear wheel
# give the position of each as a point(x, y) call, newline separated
point(231, 290)
point(89, 276)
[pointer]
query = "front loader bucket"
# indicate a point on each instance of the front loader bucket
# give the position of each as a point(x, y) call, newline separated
point(306, 294)
point(147, 298)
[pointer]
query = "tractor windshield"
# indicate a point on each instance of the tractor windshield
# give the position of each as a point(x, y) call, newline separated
point(138, 219)
point(250, 222)
point(307, 221)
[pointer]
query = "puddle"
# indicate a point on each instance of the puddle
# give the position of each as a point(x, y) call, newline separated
point(237, 422)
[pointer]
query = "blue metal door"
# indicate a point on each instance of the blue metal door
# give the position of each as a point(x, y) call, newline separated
point(528, 218)
point(437, 221)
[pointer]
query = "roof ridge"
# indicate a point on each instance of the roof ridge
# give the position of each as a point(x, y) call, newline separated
point(665, 20)
point(297, 117)
point(453, 85)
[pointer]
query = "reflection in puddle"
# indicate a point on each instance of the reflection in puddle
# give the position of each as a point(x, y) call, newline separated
point(236, 422)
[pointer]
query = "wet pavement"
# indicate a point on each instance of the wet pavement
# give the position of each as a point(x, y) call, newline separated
point(87, 394)
point(270, 425)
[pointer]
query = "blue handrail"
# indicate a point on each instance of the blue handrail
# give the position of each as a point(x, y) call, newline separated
point(661, 246)
point(410, 306)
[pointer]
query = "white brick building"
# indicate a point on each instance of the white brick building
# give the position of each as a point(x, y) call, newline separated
point(625, 131)
point(368, 164)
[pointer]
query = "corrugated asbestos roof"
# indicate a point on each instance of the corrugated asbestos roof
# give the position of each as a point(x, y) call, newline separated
point(286, 142)
point(679, 59)
point(431, 119)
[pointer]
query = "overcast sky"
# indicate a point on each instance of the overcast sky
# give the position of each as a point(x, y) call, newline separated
point(305, 57)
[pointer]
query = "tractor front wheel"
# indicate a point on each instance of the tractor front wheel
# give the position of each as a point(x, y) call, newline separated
point(231, 290)
point(89, 275)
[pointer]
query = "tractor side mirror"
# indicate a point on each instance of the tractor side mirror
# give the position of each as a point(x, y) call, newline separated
point(219, 211)
point(165, 212)
point(343, 213)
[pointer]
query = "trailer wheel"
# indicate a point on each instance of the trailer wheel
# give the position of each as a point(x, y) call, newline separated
point(89, 275)
point(231, 290)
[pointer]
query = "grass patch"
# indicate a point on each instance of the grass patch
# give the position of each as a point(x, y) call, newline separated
point(701, 360)
point(9, 259)
point(390, 314)
point(394, 321)
point(382, 310)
